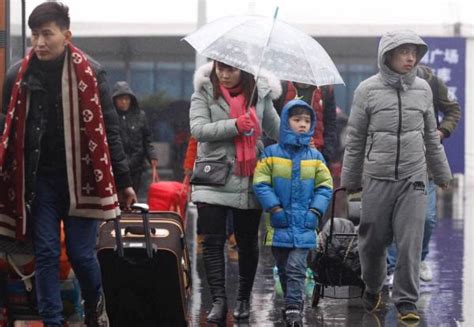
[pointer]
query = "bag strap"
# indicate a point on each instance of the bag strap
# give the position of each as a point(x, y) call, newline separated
point(25, 278)
point(155, 178)
point(184, 189)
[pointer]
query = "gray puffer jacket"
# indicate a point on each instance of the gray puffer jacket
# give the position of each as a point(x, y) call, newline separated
point(214, 130)
point(391, 132)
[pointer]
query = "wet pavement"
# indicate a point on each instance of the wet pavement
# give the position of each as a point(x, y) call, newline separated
point(445, 301)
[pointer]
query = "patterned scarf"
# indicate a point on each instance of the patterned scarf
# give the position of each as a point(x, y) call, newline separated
point(245, 145)
point(89, 171)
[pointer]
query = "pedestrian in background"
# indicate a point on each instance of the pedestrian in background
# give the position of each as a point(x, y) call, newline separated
point(391, 139)
point(228, 126)
point(449, 107)
point(134, 132)
point(293, 183)
point(57, 153)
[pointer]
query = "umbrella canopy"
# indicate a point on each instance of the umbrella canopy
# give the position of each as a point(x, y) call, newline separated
point(250, 44)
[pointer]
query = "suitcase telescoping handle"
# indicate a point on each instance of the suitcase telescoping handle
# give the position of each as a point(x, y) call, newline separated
point(333, 211)
point(143, 208)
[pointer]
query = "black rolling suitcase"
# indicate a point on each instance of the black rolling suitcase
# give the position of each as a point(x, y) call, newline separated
point(145, 269)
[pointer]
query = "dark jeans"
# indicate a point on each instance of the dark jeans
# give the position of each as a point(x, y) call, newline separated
point(291, 264)
point(49, 208)
point(212, 219)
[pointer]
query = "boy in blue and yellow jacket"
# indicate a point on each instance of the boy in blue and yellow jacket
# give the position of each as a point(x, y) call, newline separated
point(292, 182)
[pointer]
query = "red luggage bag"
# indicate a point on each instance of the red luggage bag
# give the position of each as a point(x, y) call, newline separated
point(168, 195)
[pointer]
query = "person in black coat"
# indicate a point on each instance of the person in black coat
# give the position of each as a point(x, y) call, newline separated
point(62, 161)
point(134, 131)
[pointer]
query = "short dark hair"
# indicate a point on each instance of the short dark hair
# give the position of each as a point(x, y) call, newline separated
point(299, 110)
point(50, 12)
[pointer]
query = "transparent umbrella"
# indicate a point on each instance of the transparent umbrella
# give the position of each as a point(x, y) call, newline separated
point(251, 43)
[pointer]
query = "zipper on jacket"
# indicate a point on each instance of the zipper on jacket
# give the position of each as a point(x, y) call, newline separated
point(398, 132)
point(371, 145)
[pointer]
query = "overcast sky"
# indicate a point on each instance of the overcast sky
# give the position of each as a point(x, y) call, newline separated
point(292, 11)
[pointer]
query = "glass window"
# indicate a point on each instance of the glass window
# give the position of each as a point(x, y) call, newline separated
point(352, 75)
point(169, 78)
point(142, 78)
point(188, 74)
point(115, 72)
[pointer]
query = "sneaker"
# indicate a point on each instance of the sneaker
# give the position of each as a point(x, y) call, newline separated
point(371, 302)
point(95, 315)
point(425, 272)
point(293, 316)
point(389, 281)
point(407, 312)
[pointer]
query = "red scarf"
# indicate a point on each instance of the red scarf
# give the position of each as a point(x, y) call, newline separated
point(89, 171)
point(245, 146)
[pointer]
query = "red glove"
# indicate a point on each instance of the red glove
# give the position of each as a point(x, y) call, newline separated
point(244, 124)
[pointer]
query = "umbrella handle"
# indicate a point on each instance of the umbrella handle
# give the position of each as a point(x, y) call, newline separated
point(266, 44)
point(258, 72)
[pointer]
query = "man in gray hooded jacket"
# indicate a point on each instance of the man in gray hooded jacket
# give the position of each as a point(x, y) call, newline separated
point(391, 138)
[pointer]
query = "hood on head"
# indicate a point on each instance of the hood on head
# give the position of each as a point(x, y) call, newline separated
point(390, 41)
point(287, 135)
point(122, 88)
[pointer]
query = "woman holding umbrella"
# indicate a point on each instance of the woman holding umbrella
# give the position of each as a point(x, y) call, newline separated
point(228, 119)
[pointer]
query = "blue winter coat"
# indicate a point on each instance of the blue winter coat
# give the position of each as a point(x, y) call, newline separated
point(294, 176)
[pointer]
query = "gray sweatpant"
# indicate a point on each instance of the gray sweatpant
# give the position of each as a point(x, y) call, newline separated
point(393, 210)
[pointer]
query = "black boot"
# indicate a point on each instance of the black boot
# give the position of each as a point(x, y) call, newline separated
point(248, 260)
point(95, 314)
point(242, 309)
point(214, 264)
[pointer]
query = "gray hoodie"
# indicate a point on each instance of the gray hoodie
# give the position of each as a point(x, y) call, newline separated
point(391, 132)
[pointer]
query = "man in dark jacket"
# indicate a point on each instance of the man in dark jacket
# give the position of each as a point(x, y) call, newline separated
point(323, 102)
point(134, 131)
point(61, 159)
